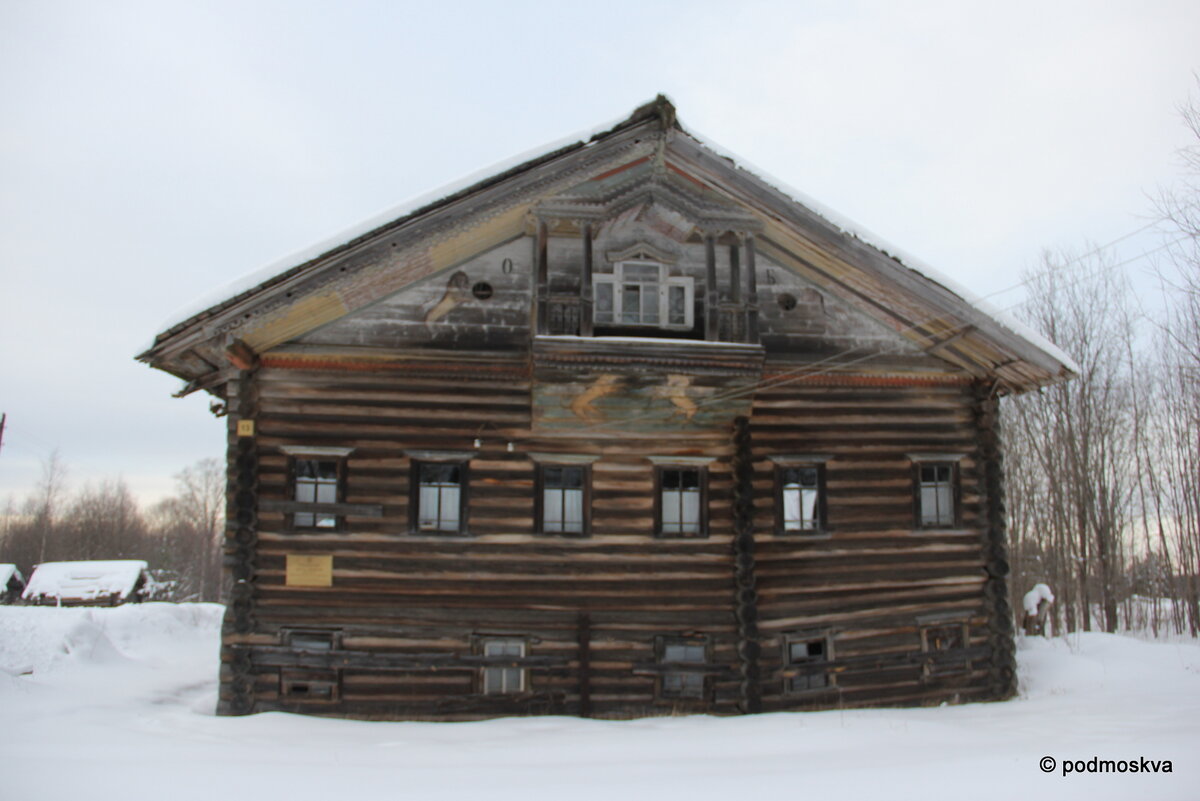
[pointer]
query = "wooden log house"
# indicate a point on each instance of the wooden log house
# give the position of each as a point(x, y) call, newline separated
point(622, 430)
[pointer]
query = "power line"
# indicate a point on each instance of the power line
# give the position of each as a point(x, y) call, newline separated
point(824, 366)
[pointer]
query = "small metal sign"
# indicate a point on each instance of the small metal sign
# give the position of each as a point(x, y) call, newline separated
point(245, 428)
point(306, 570)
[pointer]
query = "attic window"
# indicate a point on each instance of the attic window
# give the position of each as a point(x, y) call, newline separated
point(640, 293)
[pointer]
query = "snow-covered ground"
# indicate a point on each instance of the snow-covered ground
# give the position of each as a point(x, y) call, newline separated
point(117, 703)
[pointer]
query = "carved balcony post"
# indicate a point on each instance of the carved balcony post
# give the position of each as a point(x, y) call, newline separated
point(712, 311)
point(586, 299)
point(751, 292)
point(543, 277)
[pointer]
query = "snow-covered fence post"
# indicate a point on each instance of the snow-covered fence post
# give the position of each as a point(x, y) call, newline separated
point(1037, 605)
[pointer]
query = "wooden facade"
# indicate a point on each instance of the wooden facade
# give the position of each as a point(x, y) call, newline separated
point(620, 431)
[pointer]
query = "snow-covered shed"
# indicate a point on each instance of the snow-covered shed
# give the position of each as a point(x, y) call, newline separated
point(621, 428)
point(12, 583)
point(91, 583)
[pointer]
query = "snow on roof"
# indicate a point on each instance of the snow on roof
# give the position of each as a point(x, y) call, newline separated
point(391, 214)
point(6, 574)
point(584, 138)
point(1034, 597)
point(84, 581)
point(853, 229)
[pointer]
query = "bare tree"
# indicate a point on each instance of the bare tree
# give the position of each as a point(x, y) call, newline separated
point(1070, 445)
point(189, 526)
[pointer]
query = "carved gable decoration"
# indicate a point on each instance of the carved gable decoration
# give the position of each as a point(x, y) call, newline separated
point(465, 271)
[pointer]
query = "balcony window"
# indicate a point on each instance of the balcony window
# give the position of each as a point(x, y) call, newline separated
point(640, 293)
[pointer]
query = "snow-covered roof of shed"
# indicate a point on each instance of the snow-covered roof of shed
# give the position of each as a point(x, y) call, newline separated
point(6, 575)
point(84, 581)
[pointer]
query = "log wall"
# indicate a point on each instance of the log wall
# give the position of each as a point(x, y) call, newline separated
point(409, 609)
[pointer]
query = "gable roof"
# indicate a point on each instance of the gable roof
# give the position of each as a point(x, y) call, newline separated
point(9, 572)
point(84, 581)
point(317, 285)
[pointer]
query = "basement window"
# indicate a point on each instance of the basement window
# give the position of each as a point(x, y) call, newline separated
point(945, 644)
point(503, 680)
point(676, 655)
point(806, 658)
point(309, 685)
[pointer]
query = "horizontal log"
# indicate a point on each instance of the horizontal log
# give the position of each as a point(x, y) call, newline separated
point(283, 656)
point(347, 509)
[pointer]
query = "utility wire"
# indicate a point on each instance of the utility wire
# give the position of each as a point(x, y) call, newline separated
point(824, 366)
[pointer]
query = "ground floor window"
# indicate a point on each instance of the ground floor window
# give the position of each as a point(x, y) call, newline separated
point(937, 494)
point(564, 499)
point(440, 496)
point(801, 498)
point(316, 481)
point(681, 502)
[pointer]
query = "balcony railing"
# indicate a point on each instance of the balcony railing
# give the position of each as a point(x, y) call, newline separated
point(564, 315)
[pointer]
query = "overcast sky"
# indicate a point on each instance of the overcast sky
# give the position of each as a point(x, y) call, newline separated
point(151, 152)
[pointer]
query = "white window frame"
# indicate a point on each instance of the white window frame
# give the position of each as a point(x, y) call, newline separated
point(511, 680)
point(616, 279)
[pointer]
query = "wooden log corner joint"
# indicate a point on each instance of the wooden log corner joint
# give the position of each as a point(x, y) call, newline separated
point(623, 430)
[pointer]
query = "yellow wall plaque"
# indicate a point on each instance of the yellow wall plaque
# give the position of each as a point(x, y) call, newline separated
point(245, 428)
point(305, 570)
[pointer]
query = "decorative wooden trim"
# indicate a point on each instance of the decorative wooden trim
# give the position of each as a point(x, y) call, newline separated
point(789, 459)
point(883, 380)
point(563, 458)
point(640, 251)
point(681, 461)
point(440, 456)
point(316, 450)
